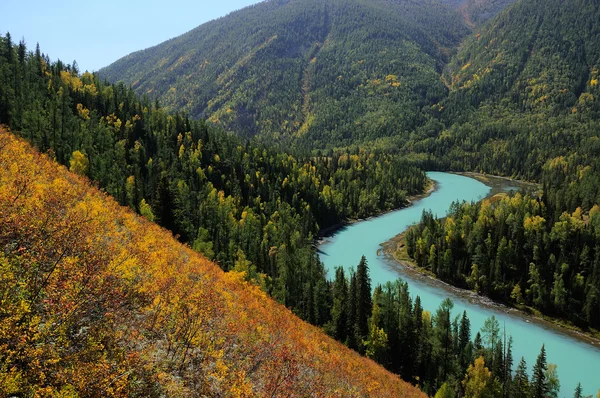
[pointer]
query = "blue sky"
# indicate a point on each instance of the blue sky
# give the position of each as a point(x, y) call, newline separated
point(97, 33)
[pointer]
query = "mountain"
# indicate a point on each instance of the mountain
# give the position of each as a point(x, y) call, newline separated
point(98, 301)
point(523, 91)
point(524, 102)
point(335, 71)
point(477, 12)
point(537, 56)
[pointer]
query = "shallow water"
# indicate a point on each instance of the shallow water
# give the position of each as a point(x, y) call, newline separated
point(577, 361)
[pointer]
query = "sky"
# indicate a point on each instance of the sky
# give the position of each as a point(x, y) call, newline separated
point(97, 33)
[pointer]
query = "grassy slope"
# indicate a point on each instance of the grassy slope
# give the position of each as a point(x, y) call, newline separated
point(99, 301)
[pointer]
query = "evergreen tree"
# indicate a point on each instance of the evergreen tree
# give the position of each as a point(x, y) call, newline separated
point(498, 364)
point(464, 336)
point(520, 384)
point(443, 335)
point(364, 303)
point(578, 391)
point(418, 314)
point(389, 315)
point(539, 384)
point(407, 331)
point(351, 340)
point(377, 340)
point(339, 311)
point(508, 363)
point(478, 345)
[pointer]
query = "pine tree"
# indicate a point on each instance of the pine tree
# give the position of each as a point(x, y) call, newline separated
point(418, 327)
point(364, 303)
point(351, 318)
point(407, 331)
point(578, 391)
point(443, 335)
point(508, 363)
point(418, 314)
point(376, 343)
point(520, 384)
point(539, 384)
point(339, 311)
point(465, 332)
point(322, 299)
point(498, 362)
point(478, 345)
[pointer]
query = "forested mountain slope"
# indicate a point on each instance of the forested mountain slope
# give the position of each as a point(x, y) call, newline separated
point(253, 209)
point(539, 56)
point(99, 301)
point(478, 12)
point(523, 90)
point(330, 72)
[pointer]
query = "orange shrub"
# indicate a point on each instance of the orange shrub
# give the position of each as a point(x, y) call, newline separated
point(97, 301)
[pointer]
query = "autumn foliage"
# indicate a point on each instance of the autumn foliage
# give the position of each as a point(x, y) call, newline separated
point(96, 301)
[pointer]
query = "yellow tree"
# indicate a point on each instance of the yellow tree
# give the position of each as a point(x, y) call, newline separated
point(445, 392)
point(377, 340)
point(478, 380)
point(146, 211)
point(79, 163)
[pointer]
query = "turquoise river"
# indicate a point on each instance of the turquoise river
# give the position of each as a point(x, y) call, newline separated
point(577, 361)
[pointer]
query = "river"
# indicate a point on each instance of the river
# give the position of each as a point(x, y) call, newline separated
point(577, 361)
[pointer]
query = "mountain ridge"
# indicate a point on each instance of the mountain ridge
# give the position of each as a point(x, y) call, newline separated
point(293, 68)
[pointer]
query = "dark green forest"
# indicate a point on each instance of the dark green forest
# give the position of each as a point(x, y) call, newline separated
point(516, 250)
point(434, 350)
point(523, 90)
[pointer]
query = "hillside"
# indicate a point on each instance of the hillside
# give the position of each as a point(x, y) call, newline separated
point(99, 301)
point(523, 91)
point(336, 71)
point(541, 56)
point(252, 209)
point(477, 12)
point(234, 201)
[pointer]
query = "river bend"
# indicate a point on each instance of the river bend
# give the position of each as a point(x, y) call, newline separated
point(577, 361)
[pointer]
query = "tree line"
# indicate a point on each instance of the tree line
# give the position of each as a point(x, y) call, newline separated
point(436, 351)
point(518, 250)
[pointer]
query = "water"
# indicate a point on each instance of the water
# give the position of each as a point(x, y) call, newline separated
point(577, 361)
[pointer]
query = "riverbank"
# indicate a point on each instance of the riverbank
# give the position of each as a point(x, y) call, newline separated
point(500, 184)
point(325, 232)
point(394, 250)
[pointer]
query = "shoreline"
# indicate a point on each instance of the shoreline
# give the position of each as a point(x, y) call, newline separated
point(401, 265)
point(326, 232)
